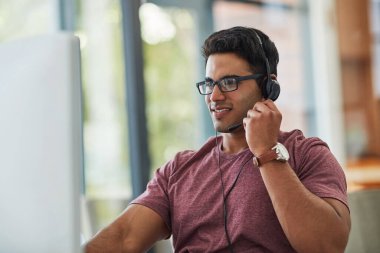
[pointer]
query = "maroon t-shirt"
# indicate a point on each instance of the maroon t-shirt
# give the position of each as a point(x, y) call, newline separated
point(187, 193)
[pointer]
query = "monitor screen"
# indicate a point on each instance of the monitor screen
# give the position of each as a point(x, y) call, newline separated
point(40, 144)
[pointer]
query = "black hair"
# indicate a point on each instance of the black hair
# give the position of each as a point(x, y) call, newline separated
point(243, 41)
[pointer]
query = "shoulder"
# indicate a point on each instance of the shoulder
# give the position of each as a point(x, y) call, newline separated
point(186, 158)
point(206, 149)
point(296, 137)
point(303, 149)
point(296, 141)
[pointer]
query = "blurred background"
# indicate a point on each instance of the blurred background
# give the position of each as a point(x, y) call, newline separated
point(141, 60)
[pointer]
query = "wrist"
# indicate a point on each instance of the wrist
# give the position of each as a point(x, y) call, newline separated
point(261, 150)
point(278, 152)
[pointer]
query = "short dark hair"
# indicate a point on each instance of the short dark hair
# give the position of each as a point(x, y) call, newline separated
point(243, 41)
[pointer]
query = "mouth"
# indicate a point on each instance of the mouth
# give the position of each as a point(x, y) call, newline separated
point(219, 111)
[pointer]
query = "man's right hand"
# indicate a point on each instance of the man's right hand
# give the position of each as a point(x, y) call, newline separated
point(262, 126)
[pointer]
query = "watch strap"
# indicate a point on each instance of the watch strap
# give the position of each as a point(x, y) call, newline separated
point(268, 156)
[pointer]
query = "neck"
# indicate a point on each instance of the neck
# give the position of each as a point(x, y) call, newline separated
point(234, 142)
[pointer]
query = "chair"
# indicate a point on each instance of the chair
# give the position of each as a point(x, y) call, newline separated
point(365, 222)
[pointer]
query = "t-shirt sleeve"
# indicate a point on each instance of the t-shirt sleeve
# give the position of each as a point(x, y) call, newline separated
point(319, 170)
point(156, 195)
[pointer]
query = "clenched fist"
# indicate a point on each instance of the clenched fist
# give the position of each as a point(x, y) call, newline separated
point(262, 126)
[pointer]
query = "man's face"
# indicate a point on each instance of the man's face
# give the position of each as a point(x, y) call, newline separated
point(229, 108)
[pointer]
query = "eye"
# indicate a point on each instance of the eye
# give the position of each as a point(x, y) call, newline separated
point(209, 83)
point(228, 82)
point(208, 86)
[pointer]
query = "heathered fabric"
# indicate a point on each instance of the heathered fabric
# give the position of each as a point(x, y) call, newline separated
point(187, 193)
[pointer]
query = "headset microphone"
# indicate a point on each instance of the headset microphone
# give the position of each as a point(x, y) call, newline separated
point(234, 127)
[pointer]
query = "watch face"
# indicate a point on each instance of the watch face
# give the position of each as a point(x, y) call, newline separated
point(282, 152)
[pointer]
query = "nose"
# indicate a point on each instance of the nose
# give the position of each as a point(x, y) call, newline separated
point(216, 94)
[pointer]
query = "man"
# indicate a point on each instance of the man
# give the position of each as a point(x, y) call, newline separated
point(252, 189)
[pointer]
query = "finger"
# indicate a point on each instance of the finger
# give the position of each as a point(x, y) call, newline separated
point(245, 122)
point(253, 112)
point(261, 107)
point(270, 104)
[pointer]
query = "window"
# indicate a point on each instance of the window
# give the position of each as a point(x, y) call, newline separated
point(38, 16)
point(170, 76)
point(107, 176)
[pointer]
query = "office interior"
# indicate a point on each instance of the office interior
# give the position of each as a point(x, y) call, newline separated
point(140, 63)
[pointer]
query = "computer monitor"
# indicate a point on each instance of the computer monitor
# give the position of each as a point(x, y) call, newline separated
point(40, 144)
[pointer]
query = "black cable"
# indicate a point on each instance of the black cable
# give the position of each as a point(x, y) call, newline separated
point(231, 249)
point(225, 196)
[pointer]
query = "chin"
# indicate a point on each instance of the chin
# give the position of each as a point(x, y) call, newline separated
point(220, 129)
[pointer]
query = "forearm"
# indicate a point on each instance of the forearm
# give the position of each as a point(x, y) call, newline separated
point(106, 241)
point(134, 231)
point(309, 222)
point(112, 240)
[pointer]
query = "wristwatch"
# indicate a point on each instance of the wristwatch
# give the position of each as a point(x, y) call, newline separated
point(278, 152)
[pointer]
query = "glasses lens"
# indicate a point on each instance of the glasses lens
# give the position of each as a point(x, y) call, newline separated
point(205, 87)
point(228, 84)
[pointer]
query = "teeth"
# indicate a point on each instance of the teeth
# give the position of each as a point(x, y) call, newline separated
point(221, 110)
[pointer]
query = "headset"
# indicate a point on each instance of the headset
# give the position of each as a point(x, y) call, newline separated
point(271, 89)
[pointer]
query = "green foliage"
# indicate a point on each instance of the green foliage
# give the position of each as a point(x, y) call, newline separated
point(170, 73)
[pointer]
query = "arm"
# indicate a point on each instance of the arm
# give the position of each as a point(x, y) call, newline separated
point(311, 224)
point(136, 230)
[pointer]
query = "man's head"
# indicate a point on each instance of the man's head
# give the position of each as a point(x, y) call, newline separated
point(235, 54)
point(243, 41)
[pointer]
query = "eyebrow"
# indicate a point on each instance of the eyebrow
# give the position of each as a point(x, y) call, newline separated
point(226, 76)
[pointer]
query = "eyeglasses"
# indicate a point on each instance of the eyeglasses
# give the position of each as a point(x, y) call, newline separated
point(225, 85)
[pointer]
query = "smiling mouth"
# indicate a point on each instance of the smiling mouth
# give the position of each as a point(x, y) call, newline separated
point(221, 110)
point(219, 113)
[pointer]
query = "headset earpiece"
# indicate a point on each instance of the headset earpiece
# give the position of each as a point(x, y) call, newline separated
point(272, 89)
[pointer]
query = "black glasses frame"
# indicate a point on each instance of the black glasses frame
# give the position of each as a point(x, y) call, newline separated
point(237, 80)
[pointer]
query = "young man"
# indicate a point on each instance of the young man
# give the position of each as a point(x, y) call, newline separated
point(252, 189)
